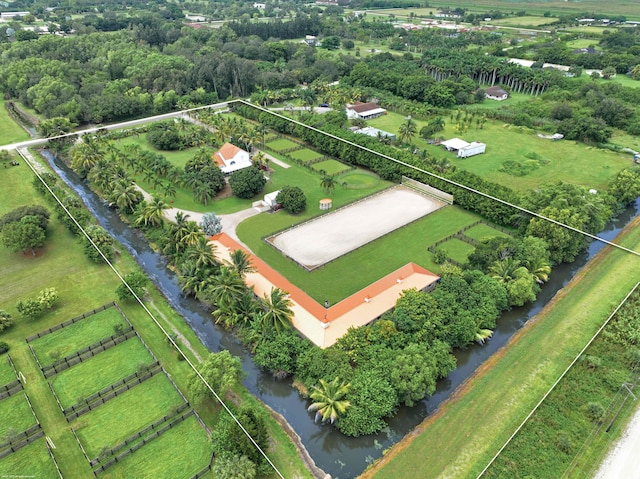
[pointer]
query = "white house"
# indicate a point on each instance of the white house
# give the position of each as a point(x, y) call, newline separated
point(365, 111)
point(230, 158)
point(259, 6)
point(496, 93)
point(471, 149)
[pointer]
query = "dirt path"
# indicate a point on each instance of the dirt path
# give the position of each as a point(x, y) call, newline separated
point(183, 340)
point(623, 459)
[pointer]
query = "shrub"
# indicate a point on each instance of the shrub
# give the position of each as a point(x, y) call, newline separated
point(138, 283)
point(292, 199)
point(440, 256)
point(595, 411)
point(211, 224)
point(247, 183)
point(6, 321)
point(4, 347)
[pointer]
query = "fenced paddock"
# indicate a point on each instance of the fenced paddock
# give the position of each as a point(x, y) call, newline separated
point(428, 190)
point(323, 239)
point(32, 460)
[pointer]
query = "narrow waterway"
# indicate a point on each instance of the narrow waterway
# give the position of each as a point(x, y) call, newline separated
point(340, 456)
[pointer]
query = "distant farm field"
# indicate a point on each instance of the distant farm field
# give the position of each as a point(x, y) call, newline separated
point(527, 21)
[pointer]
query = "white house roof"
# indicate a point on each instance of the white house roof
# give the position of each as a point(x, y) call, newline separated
point(454, 144)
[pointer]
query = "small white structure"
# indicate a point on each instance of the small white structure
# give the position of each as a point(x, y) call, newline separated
point(364, 111)
point(454, 144)
point(311, 40)
point(375, 133)
point(270, 199)
point(259, 6)
point(7, 16)
point(496, 93)
point(230, 158)
point(471, 149)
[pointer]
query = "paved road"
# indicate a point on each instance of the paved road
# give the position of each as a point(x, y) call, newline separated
point(115, 126)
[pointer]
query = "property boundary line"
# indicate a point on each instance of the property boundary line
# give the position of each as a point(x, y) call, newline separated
point(427, 189)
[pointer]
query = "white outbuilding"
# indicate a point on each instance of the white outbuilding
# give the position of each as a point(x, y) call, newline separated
point(471, 149)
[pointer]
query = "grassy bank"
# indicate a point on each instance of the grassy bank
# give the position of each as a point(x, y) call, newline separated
point(10, 132)
point(469, 429)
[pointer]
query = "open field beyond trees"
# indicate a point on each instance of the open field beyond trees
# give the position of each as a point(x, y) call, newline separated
point(484, 412)
point(569, 161)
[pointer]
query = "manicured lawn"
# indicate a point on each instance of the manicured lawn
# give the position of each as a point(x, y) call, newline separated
point(177, 158)
point(457, 249)
point(469, 429)
point(180, 452)
point(65, 341)
point(10, 132)
point(330, 167)
point(16, 415)
point(123, 415)
point(345, 275)
point(7, 374)
point(482, 231)
point(102, 370)
point(569, 161)
point(30, 461)
point(281, 144)
point(583, 43)
point(305, 155)
point(358, 179)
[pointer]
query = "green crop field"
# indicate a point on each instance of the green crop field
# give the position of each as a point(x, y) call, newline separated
point(305, 155)
point(72, 338)
point(344, 276)
point(7, 374)
point(10, 132)
point(30, 461)
point(100, 371)
point(569, 161)
point(330, 167)
point(180, 452)
point(481, 232)
point(457, 249)
point(16, 415)
point(527, 21)
point(122, 416)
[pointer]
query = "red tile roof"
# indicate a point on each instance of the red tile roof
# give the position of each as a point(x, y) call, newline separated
point(226, 152)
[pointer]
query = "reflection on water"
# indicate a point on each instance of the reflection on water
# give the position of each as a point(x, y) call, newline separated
point(338, 455)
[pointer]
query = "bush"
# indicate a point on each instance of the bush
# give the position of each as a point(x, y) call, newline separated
point(6, 321)
point(138, 283)
point(211, 224)
point(292, 199)
point(440, 255)
point(164, 136)
point(595, 411)
point(14, 216)
point(247, 183)
point(102, 240)
point(4, 347)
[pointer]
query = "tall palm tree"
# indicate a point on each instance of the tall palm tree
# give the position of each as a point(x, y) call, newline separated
point(243, 310)
point(539, 268)
point(328, 184)
point(277, 313)
point(153, 213)
point(241, 263)
point(328, 403)
point(505, 270)
point(85, 155)
point(202, 252)
point(226, 287)
point(407, 130)
point(126, 196)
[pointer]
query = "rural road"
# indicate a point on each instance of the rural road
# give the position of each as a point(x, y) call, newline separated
point(623, 460)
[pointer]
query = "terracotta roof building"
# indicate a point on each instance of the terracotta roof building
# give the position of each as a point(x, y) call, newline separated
point(230, 158)
point(324, 326)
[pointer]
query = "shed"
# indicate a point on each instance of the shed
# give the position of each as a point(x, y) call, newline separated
point(270, 199)
point(471, 149)
point(454, 144)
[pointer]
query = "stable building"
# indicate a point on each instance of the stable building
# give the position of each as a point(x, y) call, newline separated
point(364, 111)
point(496, 93)
point(463, 148)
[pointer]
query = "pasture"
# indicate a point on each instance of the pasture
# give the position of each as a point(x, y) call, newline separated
point(10, 132)
point(331, 167)
point(16, 415)
point(305, 155)
point(281, 144)
point(568, 161)
point(33, 460)
point(7, 374)
point(526, 21)
point(457, 250)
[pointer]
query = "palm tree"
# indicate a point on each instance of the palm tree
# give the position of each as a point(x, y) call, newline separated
point(169, 189)
point(241, 263)
point(539, 269)
point(482, 335)
point(407, 130)
point(85, 155)
point(277, 310)
point(328, 184)
point(328, 400)
point(126, 196)
point(191, 234)
point(226, 287)
point(505, 270)
point(243, 310)
point(308, 97)
point(202, 252)
point(152, 213)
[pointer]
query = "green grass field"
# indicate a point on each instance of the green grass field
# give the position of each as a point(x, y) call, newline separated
point(7, 374)
point(330, 167)
point(180, 452)
point(72, 338)
point(122, 416)
point(30, 461)
point(583, 43)
point(305, 155)
point(344, 276)
point(102, 370)
point(528, 21)
point(570, 161)
point(10, 132)
point(470, 428)
point(358, 179)
point(481, 232)
point(16, 415)
point(177, 158)
point(281, 144)
point(457, 249)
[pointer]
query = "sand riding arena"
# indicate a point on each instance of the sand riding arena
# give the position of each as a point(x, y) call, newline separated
point(323, 239)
